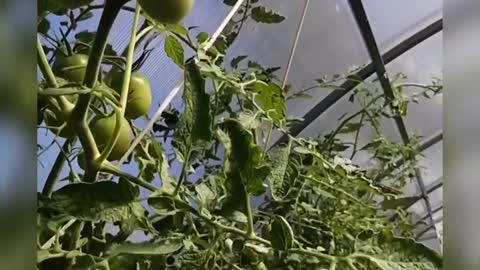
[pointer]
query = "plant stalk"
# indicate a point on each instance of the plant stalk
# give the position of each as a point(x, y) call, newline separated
point(79, 115)
point(124, 91)
point(56, 169)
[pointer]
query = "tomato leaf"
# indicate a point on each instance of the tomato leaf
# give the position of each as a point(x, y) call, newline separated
point(101, 201)
point(266, 15)
point(174, 50)
point(278, 159)
point(270, 98)
point(404, 202)
point(166, 246)
point(195, 123)
point(281, 234)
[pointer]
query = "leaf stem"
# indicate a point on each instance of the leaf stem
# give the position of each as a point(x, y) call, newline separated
point(184, 173)
point(248, 206)
point(110, 168)
point(47, 72)
point(56, 169)
point(124, 92)
point(79, 114)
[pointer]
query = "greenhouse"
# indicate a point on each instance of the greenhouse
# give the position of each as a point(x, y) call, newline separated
point(239, 134)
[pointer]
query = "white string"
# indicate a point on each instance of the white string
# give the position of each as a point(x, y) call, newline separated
point(295, 43)
point(179, 85)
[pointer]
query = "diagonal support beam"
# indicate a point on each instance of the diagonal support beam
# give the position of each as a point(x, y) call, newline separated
point(369, 39)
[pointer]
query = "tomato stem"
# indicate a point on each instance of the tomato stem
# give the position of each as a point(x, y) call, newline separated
point(248, 205)
point(124, 92)
point(56, 169)
point(79, 116)
point(47, 72)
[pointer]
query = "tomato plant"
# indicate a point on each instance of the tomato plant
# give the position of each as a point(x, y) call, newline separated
point(198, 170)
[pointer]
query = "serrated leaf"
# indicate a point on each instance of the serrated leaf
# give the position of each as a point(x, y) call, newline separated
point(84, 262)
point(195, 123)
point(230, 2)
point(235, 61)
point(173, 48)
point(101, 201)
point(404, 202)
point(243, 157)
point(393, 265)
point(266, 15)
point(164, 247)
point(278, 162)
point(157, 152)
point(349, 128)
point(281, 234)
point(177, 28)
point(270, 98)
point(202, 37)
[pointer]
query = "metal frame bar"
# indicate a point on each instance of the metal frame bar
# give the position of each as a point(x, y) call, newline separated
point(432, 226)
point(363, 24)
point(362, 74)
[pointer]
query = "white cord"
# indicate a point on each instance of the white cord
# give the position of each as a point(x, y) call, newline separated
point(295, 43)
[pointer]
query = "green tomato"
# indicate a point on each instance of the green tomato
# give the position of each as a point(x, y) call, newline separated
point(72, 4)
point(55, 117)
point(71, 67)
point(167, 11)
point(102, 130)
point(139, 97)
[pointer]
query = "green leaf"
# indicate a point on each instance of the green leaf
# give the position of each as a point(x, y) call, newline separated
point(177, 28)
point(235, 61)
point(174, 50)
point(157, 152)
point(393, 265)
point(349, 128)
point(101, 201)
point(163, 247)
point(202, 37)
point(265, 15)
point(85, 262)
point(278, 159)
point(404, 202)
point(281, 234)
point(230, 2)
point(243, 161)
point(195, 123)
point(270, 98)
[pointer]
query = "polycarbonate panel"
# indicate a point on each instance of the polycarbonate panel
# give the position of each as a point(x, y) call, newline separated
point(436, 197)
point(418, 208)
point(329, 44)
point(420, 65)
point(432, 164)
point(393, 21)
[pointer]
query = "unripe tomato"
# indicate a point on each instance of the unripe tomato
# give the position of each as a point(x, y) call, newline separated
point(72, 4)
point(139, 97)
point(102, 128)
point(167, 11)
point(55, 117)
point(71, 67)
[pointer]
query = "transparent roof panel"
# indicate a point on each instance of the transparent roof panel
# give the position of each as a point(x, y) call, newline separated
point(328, 44)
point(432, 163)
point(393, 21)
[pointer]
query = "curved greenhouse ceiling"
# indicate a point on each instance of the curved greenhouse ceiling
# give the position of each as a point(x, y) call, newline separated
point(329, 42)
